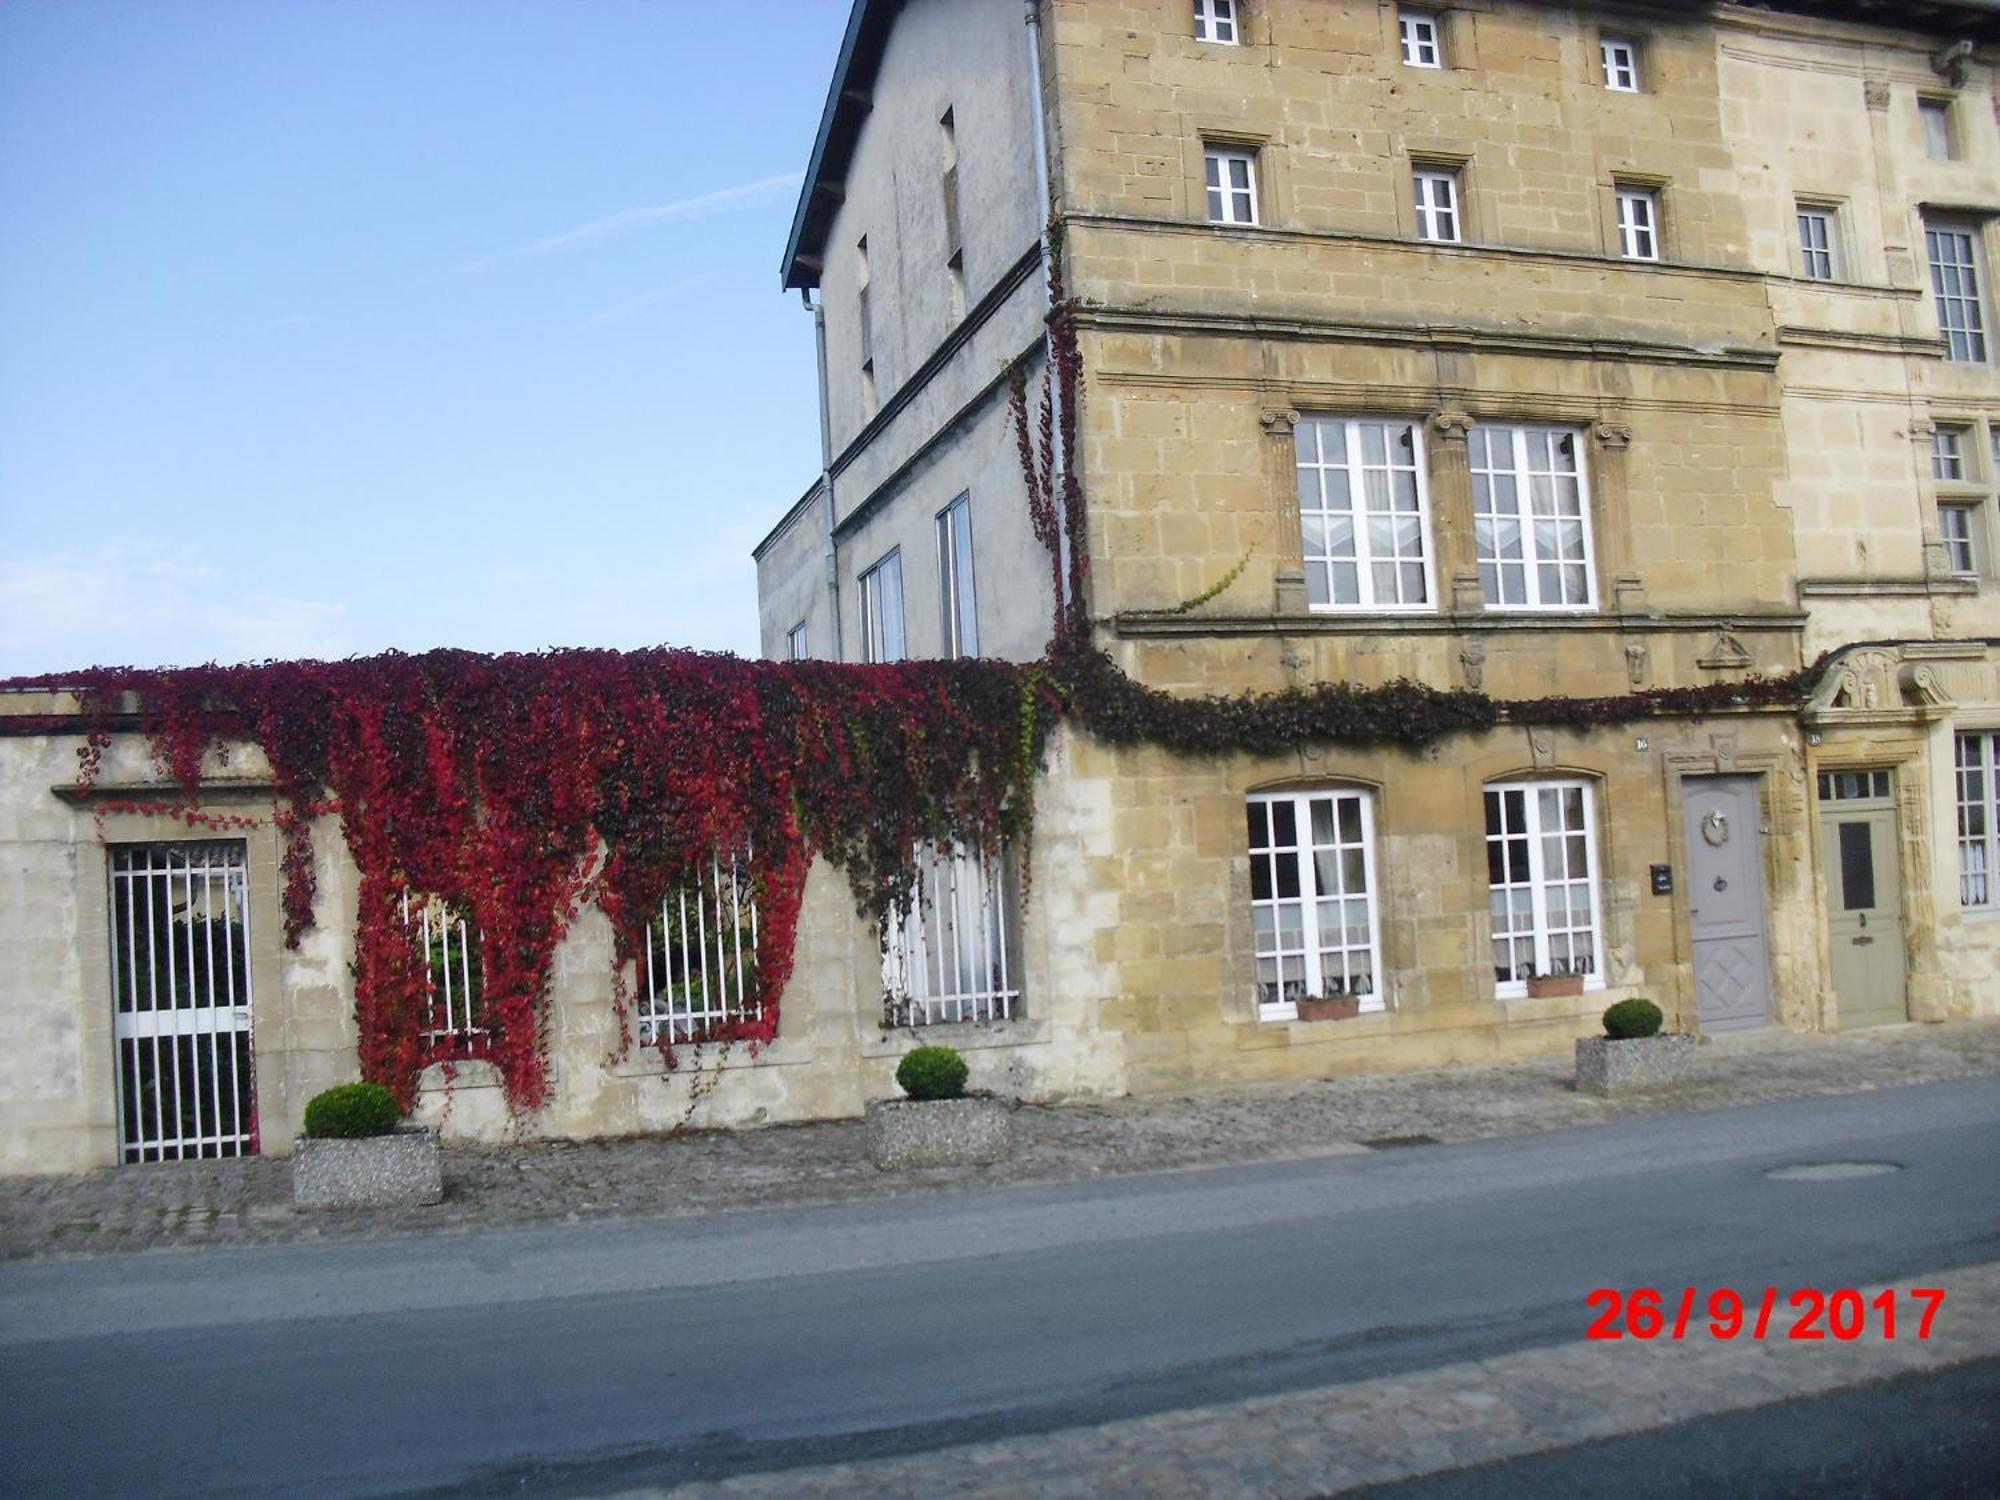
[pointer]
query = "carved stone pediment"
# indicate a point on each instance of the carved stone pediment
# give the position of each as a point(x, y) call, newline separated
point(1726, 654)
point(1876, 685)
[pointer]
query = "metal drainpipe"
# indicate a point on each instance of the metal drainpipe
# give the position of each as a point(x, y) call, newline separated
point(832, 552)
point(1046, 207)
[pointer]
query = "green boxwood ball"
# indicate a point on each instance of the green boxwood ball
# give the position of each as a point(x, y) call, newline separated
point(932, 1073)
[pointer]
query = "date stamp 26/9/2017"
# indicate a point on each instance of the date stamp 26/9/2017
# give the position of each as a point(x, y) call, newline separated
point(1805, 1315)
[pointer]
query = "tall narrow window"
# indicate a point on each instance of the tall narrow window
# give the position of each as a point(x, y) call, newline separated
point(1818, 242)
point(954, 243)
point(1531, 517)
point(1934, 115)
point(1215, 21)
point(1621, 65)
point(797, 647)
point(1365, 526)
point(1437, 204)
point(1639, 223)
point(882, 637)
point(867, 320)
point(1232, 185)
point(1948, 453)
point(1958, 524)
point(1421, 45)
point(959, 625)
point(1953, 252)
point(1541, 868)
point(1313, 922)
point(1978, 772)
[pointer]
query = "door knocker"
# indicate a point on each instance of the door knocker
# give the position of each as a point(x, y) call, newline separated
point(1714, 829)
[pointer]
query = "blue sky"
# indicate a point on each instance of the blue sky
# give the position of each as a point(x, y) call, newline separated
point(328, 326)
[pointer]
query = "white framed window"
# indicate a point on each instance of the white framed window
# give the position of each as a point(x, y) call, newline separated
point(1364, 514)
point(1639, 223)
point(701, 957)
point(1948, 453)
point(951, 951)
point(1934, 117)
point(1958, 524)
point(958, 626)
point(1314, 921)
point(797, 645)
point(1953, 252)
point(1437, 204)
point(1232, 185)
point(1215, 21)
point(1621, 64)
point(1978, 778)
point(882, 635)
point(1819, 241)
point(1541, 871)
point(1531, 517)
point(1422, 46)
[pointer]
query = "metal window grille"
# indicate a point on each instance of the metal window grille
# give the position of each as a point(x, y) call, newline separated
point(951, 951)
point(1978, 776)
point(180, 982)
point(1437, 206)
point(1954, 262)
point(453, 982)
point(1816, 242)
point(1531, 517)
point(1362, 513)
point(1420, 40)
point(1312, 908)
point(701, 957)
point(1639, 223)
point(1542, 872)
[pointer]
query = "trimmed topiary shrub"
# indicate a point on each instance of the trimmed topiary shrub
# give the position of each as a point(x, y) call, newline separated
point(932, 1073)
point(1629, 1020)
point(350, 1110)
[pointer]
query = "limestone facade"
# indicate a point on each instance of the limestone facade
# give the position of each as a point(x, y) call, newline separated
point(1743, 443)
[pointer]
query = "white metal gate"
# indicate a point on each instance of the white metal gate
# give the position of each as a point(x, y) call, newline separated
point(180, 981)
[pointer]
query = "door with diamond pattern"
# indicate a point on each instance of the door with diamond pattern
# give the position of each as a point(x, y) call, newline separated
point(1725, 874)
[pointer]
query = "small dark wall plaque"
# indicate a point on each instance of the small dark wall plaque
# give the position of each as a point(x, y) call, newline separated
point(1663, 880)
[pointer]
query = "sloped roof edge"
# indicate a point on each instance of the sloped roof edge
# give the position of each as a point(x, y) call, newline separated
point(847, 105)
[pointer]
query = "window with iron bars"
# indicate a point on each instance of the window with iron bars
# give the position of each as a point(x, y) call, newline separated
point(951, 951)
point(454, 985)
point(700, 974)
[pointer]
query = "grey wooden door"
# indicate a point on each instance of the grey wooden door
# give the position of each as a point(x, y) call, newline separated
point(1732, 966)
point(1858, 851)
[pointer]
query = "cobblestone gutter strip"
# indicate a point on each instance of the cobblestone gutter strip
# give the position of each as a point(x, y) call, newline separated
point(1344, 1437)
point(248, 1202)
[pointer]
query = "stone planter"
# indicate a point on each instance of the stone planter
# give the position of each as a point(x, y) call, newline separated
point(1606, 1067)
point(906, 1133)
point(1342, 1008)
point(381, 1171)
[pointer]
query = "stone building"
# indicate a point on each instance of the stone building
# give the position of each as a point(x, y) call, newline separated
point(1546, 349)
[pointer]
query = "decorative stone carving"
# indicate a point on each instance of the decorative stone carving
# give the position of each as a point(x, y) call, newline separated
point(1628, 594)
point(1922, 687)
point(1473, 659)
point(1951, 64)
point(1922, 429)
point(1724, 743)
point(1542, 747)
point(1467, 597)
point(1902, 269)
point(1279, 421)
point(1635, 665)
point(1451, 425)
point(1612, 434)
point(1875, 91)
point(1726, 653)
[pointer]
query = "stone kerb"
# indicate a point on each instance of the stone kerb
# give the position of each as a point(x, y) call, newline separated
point(907, 1133)
point(1607, 1066)
point(383, 1171)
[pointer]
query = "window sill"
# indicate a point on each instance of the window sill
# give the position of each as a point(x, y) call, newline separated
point(644, 1061)
point(1518, 990)
point(966, 1036)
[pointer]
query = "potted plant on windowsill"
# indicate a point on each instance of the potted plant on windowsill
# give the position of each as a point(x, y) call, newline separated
point(1562, 979)
point(1337, 1004)
point(939, 1124)
point(1633, 1054)
point(357, 1153)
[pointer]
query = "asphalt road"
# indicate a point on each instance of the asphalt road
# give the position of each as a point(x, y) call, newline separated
point(581, 1359)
